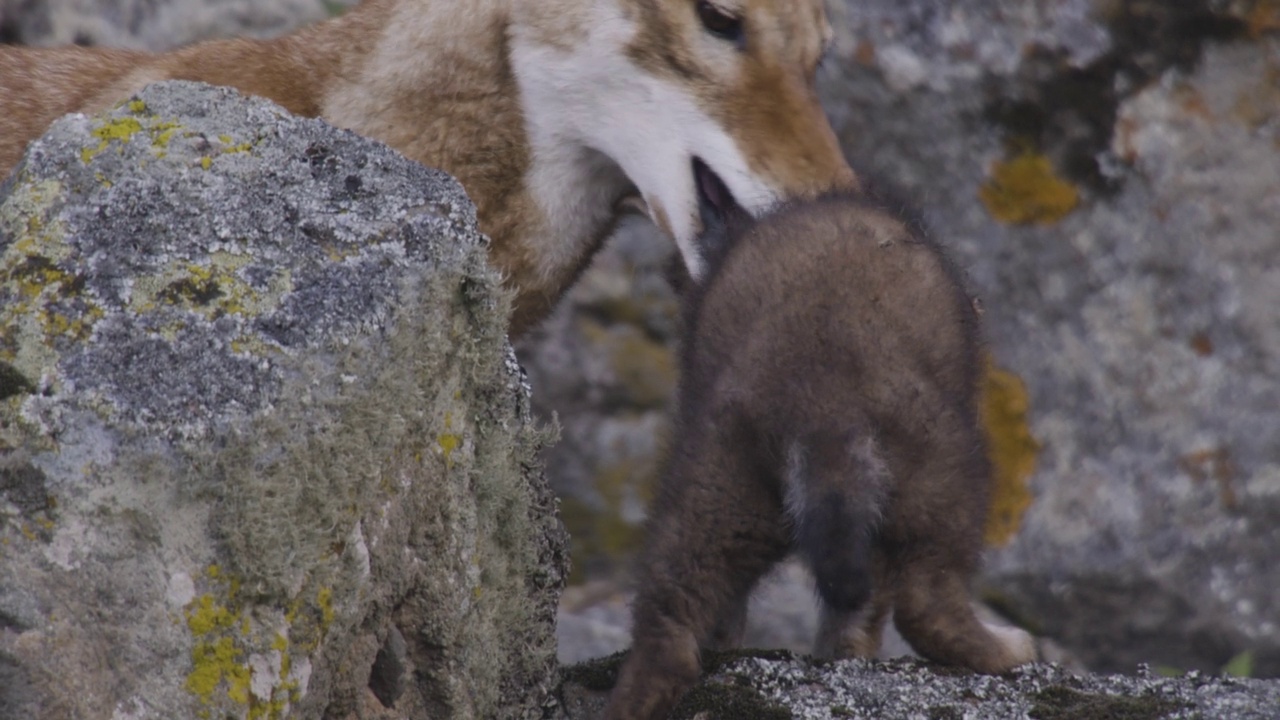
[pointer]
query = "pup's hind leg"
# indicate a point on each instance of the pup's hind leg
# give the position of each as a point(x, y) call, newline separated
point(707, 546)
point(732, 626)
point(932, 610)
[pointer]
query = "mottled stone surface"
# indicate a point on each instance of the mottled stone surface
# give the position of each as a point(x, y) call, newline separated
point(777, 686)
point(264, 446)
point(1143, 322)
point(153, 24)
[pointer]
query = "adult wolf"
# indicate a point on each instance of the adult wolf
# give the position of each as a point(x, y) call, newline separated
point(552, 113)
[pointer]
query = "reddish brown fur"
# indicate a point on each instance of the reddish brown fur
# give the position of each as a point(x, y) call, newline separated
point(828, 406)
point(773, 106)
point(434, 79)
point(298, 71)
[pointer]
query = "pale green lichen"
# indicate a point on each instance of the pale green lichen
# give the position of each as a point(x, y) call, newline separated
point(44, 302)
point(212, 287)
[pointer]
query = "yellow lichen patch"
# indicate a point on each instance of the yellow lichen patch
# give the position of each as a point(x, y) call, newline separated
point(448, 441)
point(163, 133)
point(213, 662)
point(114, 129)
point(208, 616)
point(1026, 190)
point(324, 599)
point(211, 288)
point(59, 325)
point(117, 129)
point(44, 309)
point(123, 129)
point(227, 652)
point(36, 274)
point(1012, 450)
point(291, 614)
point(215, 657)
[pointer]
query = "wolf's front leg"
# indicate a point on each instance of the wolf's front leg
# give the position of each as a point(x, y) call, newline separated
point(712, 534)
point(662, 665)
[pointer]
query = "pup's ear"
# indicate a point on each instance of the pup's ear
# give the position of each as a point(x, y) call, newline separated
point(677, 274)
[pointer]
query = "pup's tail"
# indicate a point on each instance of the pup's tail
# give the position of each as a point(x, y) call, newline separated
point(835, 487)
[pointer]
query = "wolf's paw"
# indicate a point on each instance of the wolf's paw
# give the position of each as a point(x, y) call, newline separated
point(1020, 646)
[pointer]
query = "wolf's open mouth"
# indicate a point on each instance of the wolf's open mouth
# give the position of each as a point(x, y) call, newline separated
point(715, 202)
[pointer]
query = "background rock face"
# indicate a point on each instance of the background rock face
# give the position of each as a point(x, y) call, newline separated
point(1143, 322)
point(153, 24)
point(1106, 171)
point(264, 447)
point(1107, 174)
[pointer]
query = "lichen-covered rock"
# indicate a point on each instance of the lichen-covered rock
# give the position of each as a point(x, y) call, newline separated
point(264, 447)
point(778, 686)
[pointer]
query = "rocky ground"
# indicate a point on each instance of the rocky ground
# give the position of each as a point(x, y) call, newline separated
point(779, 686)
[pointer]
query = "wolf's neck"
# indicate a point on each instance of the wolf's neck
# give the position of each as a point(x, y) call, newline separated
point(437, 82)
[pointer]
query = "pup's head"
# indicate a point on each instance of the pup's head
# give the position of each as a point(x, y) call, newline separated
point(703, 104)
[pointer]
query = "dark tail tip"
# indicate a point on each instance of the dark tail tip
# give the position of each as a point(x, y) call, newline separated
point(836, 544)
point(835, 487)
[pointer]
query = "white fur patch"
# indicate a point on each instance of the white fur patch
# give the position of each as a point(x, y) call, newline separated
point(794, 497)
point(874, 481)
point(1019, 643)
point(593, 96)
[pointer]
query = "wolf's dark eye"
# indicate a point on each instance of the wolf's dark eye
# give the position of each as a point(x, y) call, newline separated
point(719, 23)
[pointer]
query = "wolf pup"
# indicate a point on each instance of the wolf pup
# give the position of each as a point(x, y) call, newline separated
point(828, 406)
point(551, 113)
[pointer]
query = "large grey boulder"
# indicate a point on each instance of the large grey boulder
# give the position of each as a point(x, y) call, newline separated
point(264, 447)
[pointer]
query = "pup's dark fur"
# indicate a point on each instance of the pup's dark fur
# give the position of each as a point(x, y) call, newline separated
point(829, 406)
